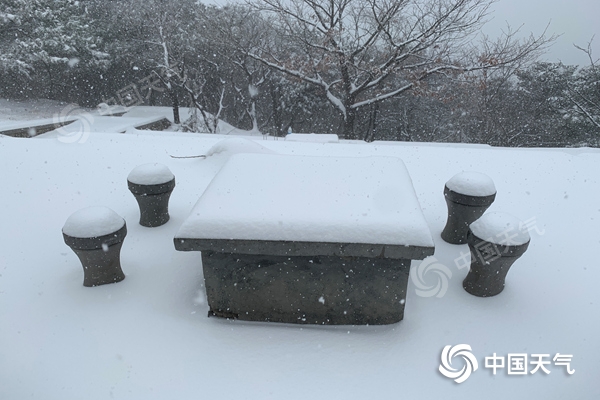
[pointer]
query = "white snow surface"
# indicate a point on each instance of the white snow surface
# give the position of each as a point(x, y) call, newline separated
point(472, 183)
point(237, 145)
point(223, 128)
point(92, 222)
point(500, 228)
point(28, 110)
point(150, 174)
point(19, 114)
point(312, 137)
point(148, 337)
point(310, 199)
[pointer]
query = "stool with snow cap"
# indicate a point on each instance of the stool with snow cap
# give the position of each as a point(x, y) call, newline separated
point(468, 195)
point(496, 241)
point(96, 235)
point(152, 185)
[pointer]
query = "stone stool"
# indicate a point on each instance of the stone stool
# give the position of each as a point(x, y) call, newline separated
point(468, 195)
point(96, 235)
point(152, 185)
point(496, 241)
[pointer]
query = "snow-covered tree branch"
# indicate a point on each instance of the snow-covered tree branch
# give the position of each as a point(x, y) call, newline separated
point(361, 52)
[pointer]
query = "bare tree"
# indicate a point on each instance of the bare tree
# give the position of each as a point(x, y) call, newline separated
point(585, 95)
point(167, 38)
point(194, 86)
point(235, 31)
point(361, 52)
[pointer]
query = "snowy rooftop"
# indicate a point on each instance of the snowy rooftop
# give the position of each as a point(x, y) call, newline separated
point(148, 337)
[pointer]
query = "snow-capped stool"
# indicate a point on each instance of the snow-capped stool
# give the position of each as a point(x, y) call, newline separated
point(496, 241)
point(468, 195)
point(152, 185)
point(309, 240)
point(96, 235)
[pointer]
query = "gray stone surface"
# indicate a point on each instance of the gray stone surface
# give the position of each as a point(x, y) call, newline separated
point(463, 210)
point(159, 125)
point(287, 248)
point(490, 264)
point(36, 129)
point(324, 290)
point(100, 257)
point(283, 281)
point(153, 202)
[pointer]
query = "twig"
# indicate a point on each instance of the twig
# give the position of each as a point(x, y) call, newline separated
point(200, 156)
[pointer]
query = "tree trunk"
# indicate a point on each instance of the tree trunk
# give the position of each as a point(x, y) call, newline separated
point(348, 132)
point(175, 103)
point(350, 113)
point(276, 109)
point(370, 135)
point(50, 82)
point(252, 114)
point(151, 97)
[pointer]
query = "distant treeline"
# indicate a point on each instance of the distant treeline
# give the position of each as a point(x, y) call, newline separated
point(362, 69)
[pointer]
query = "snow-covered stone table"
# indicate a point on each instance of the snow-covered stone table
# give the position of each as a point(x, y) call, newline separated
point(308, 239)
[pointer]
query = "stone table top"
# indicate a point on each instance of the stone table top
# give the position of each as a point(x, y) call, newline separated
point(306, 205)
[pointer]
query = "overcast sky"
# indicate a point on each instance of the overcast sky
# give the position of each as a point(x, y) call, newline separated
point(576, 20)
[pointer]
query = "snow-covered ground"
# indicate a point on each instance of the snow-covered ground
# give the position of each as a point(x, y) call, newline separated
point(148, 337)
point(11, 110)
point(31, 113)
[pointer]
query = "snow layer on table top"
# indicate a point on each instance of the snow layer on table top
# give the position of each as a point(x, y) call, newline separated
point(312, 137)
point(150, 174)
point(312, 199)
point(500, 228)
point(92, 222)
point(472, 183)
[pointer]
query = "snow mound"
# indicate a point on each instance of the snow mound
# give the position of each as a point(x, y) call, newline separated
point(150, 174)
point(500, 228)
point(93, 222)
point(237, 145)
point(108, 110)
point(472, 183)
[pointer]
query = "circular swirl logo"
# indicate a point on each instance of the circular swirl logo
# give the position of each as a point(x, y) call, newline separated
point(74, 124)
point(464, 351)
point(430, 266)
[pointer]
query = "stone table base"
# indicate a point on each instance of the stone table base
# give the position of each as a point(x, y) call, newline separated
point(324, 290)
